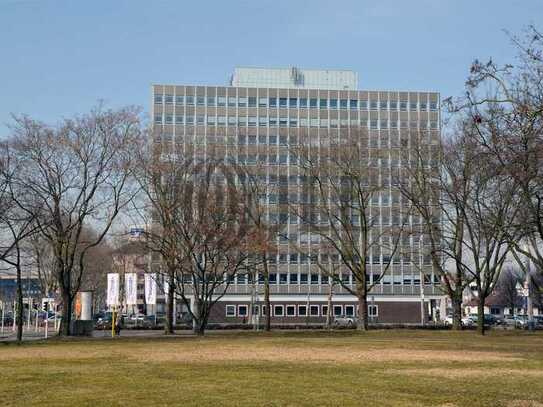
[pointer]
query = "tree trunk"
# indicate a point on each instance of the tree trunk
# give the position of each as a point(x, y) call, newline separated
point(168, 327)
point(481, 315)
point(267, 301)
point(457, 312)
point(329, 312)
point(19, 314)
point(199, 326)
point(362, 323)
point(66, 314)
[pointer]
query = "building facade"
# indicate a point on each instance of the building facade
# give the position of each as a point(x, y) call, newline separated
point(255, 122)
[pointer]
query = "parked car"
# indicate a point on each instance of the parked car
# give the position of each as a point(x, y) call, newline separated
point(469, 321)
point(489, 319)
point(516, 321)
point(344, 320)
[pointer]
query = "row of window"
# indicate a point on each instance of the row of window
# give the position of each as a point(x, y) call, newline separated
point(376, 220)
point(253, 121)
point(294, 103)
point(292, 310)
point(316, 278)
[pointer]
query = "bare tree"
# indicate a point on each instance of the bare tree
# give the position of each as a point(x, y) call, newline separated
point(198, 227)
point(263, 233)
point(436, 185)
point(505, 103)
point(16, 228)
point(73, 175)
point(342, 182)
point(489, 216)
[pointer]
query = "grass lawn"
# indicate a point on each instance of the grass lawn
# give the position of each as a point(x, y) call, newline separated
point(379, 368)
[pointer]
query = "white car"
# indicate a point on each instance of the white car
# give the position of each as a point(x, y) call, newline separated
point(466, 321)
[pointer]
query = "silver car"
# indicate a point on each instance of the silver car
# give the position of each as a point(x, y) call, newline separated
point(344, 320)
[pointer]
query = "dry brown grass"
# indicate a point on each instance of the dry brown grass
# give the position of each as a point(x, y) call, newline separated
point(209, 352)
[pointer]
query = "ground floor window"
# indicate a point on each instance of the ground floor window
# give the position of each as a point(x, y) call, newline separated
point(263, 310)
point(324, 310)
point(278, 310)
point(495, 311)
point(291, 310)
point(243, 310)
point(373, 310)
point(302, 310)
point(314, 310)
point(349, 310)
point(338, 310)
point(230, 310)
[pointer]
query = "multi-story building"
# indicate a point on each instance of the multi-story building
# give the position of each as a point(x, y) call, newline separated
point(254, 121)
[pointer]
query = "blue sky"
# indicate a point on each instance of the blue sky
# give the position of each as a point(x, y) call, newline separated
point(58, 58)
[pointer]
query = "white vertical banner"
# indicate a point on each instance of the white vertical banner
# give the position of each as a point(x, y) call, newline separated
point(112, 289)
point(165, 286)
point(150, 288)
point(131, 288)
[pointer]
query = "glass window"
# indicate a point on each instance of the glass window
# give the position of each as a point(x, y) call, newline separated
point(291, 310)
point(338, 310)
point(303, 102)
point(221, 101)
point(158, 99)
point(272, 139)
point(353, 104)
point(273, 102)
point(232, 101)
point(343, 103)
point(302, 310)
point(278, 310)
point(433, 106)
point(242, 102)
point(211, 100)
point(169, 119)
point(230, 310)
point(179, 100)
point(189, 120)
point(252, 101)
point(304, 278)
point(293, 278)
point(314, 278)
point(323, 103)
point(403, 105)
point(243, 310)
point(283, 278)
point(179, 119)
point(393, 105)
point(169, 99)
point(190, 100)
point(333, 103)
point(252, 121)
point(282, 102)
point(314, 310)
point(349, 310)
point(312, 102)
point(158, 118)
point(201, 101)
point(262, 121)
point(413, 106)
point(262, 102)
point(373, 310)
point(273, 278)
point(293, 102)
point(423, 106)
